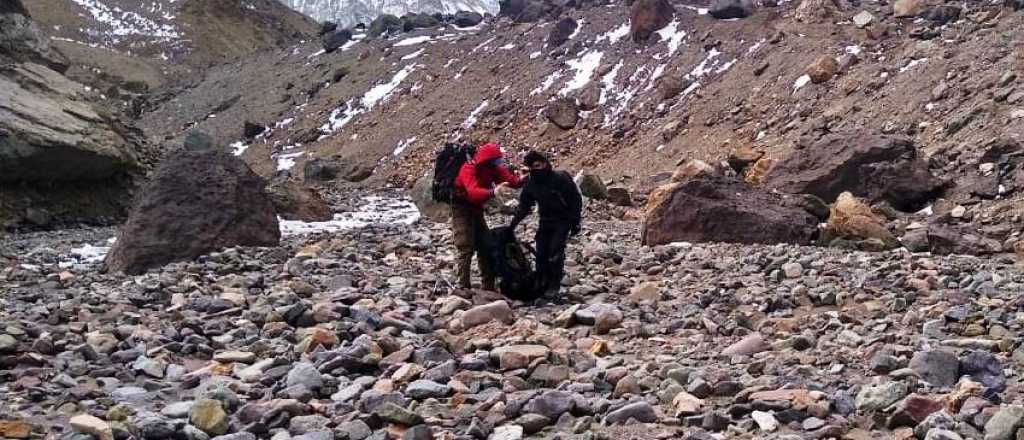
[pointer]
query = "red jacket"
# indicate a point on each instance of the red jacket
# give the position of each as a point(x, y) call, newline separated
point(475, 181)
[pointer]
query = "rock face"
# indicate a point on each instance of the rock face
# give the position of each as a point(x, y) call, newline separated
point(647, 17)
point(333, 41)
point(874, 167)
point(197, 202)
point(723, 210)
point(563, 113)
point(731, 9)
point(561, 31)
point(22, 41)
point(293, 201)
point(48, 133)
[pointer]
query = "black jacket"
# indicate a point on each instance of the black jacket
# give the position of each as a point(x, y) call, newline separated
point(558, 198)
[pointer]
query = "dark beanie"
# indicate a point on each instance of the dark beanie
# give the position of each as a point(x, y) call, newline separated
point(535, 156)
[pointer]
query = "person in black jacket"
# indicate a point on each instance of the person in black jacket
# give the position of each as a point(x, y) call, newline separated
point(561, 208)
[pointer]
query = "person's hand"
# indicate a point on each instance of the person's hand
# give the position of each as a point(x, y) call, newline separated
point(501, 192)
point(574, 230)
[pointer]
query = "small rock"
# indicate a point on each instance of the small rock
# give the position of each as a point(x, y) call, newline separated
point(642, 412)
point(208, 415)
point(87, 424)
point(765, 421)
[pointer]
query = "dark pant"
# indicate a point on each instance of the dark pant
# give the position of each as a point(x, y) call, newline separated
point(469, 230)
point(551, 239)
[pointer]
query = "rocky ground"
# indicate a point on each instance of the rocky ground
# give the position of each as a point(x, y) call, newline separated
point(357, 334)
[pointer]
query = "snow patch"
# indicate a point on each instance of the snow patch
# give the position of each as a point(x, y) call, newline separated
point(584, 66)
point(508, 46)
point(413, 41)
point(403, 145)
point(341, 116)
point(548, 82)
point(672, 36)
point(372, 211)
point(913, 64)
point(414, 54)
point(126, 23)
point(474, 115)
point(535, 55)
point(287, 161)
point(801, 81)
point(86, 254)
point(238, 148)
point(614, 35)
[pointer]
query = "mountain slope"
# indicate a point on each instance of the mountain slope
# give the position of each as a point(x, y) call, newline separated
point(348, 13)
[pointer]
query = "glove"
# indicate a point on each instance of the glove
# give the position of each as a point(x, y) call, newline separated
point(574, 230)
point(501, 192)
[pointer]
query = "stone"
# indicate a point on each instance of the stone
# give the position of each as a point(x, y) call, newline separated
point(686, 404)
point(561, 31)
point(985, 368)
point(619, 196)
point(418, 432)
point(333, 41)
point(878, 397)
point(647, 17)
point(692, 168)
point(532, 423)
point(88, 424)
point(245, 357)
point(749, 345)
point(823, 69)
point(873, 167)
point(304, 374)
point(385, 24)
point(563, 113)
point(518, 356)
point(425, 389)
point(196, 202)
point(863, 19)
point(551, 404)
point(793, 270)
point(742, 158)
point(498, 311)
point(389, 412)
point(908, 8)
point(294, 201)
point(467, 18)
point(150, 367)
point(647, 292)
point(1005, 423)
point(423, 198)
point(731, 9)
point(177, 410)
point(913, 410)
point(104, 343)
point(937, 367)
point(765, 421)
point(15, 429)
point(591, 186)
point(307, 424)
point(607, 320)
point(724, 210)
point(208, 415)
point(507, 432)
point(642, 412)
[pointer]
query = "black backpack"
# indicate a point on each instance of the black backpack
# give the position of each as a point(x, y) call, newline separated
point(447, 164)
point(512, 264)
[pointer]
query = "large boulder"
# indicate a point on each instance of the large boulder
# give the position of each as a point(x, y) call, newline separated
point(294, 201)
point(49, 133)
point(423, 198)
point(731, 9)
point(333, 41)
point(561, 32)
point(525, 11)
point(851, 219)
point(420, 21)
point(874, 167)
point(647, 17)
point(385, 24)
point(196, 202)
point(563, 112)
point(720, 209)
point(327, 169)
point(591, 186)
point(908, 8)
point(467, 18)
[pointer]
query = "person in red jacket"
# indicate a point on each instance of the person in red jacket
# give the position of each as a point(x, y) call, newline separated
point(478, 181)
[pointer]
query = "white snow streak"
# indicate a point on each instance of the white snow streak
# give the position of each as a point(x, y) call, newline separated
point(584, 66)
point(474, 116)
point(403, 145)
point(801, 81)
point(287, 161)
point(413, 41)
point(341, 116)
point(614, 35)
point(373, 211)
point(913, 64)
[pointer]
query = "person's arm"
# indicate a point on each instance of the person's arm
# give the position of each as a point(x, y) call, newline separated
point(507, 176)
point(526, 202)
point(475, 193)
point(575, 200)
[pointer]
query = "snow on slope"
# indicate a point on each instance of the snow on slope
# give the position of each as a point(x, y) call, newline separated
point(348, 13)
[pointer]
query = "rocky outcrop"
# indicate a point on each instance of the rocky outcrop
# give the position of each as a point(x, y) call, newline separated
point(731, 9)
point(384, 25)
point(197, 202)
point(293, 201)
point(48, 133)
point(21, 40)
point(561, 32)
point(422, 196)
point(647, 17)
point(718, 209)
point(467, 18)
point(563, 113)
point(333, 41)
point(874, 167)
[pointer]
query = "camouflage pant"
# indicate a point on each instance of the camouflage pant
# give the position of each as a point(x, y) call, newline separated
point(468, 231)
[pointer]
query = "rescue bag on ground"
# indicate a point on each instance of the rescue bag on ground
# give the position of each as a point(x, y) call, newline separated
point(513, 263)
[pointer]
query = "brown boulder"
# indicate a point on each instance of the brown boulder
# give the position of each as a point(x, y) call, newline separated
point(743, 157)
point(719, 209)
point(590, 98)
point(561, 31)
point(563, 113)
point(690, 169)
point(197, 202)
point(647, 17)
point(823, 69)
point(293, 201)
point(756, 174)
point(908, 8)
point(874, 167)
point(852, 219)
point(811, 11)
point(671, 86)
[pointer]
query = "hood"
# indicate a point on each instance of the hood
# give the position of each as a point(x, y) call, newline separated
point(487, 152)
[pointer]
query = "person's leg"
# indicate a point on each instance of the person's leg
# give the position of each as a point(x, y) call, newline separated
point(556, 254)
point(483, 253)
point(462, 235)
point(542, 242)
